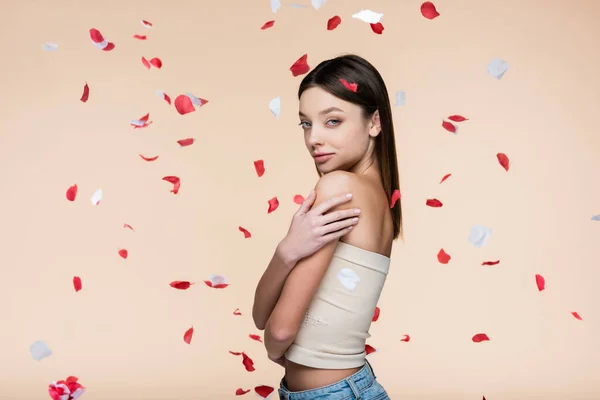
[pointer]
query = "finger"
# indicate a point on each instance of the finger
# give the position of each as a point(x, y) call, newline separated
point(336, 226)
point(337, 215)
point(334, 201)
point(307, 203)
point(336, 235)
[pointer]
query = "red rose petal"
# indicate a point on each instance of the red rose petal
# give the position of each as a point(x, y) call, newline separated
point(267, 25)
point(181, 285)
point(148, 158)
point(128, 226)
point(350, 86)
point(333, 22)
point(124, 253)
point(86, 93)
point(480, 337)
point(377, 28)
point(449, 126)
point(259, 166)
point(369, 349)
point(245, 232)
point(263, 391)
point(298, 199)
point(445, 177)
point(433, 203)
point(237, 312)
point(146, 24)
point(156, 62)
point(576, 315)
point(428, 10)
point(248, 363)
point(540, 282)
point(146, 62)
point(187, 336)
point(503, 160)
point(406, 338)
point(395, 197)
point(300, 67)
point(72, 193)
point(255, 337)
point(457, 118)
point(376, 314)
point(273, 205)
point(443, 257)
point(175, 181)
point(77, 283)
point(241, 392)
point(140, 37)
point(183, 104)
point(186, 142)
point(490, 262)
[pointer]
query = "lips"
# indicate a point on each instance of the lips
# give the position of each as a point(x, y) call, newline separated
point(322, 157)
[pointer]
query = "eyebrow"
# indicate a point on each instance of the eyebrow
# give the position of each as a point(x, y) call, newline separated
point(325, 111)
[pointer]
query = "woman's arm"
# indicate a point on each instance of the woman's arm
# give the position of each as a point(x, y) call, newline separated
point(303, 281)
point(270, 286)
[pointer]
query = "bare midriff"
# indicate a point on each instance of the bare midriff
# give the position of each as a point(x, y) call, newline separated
point(299, 377)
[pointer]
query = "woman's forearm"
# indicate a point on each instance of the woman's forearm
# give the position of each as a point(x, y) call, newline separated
point(270, 286)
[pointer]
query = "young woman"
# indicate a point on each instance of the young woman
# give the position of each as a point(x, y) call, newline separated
point(317, 297)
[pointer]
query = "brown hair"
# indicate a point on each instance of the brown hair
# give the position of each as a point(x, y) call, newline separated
point(371, 96)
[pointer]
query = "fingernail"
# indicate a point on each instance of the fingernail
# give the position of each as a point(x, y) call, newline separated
point(355, 219)
point(349, 195)
point(356, 211)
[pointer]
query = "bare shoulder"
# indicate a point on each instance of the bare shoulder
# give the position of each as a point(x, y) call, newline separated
point(337, 183)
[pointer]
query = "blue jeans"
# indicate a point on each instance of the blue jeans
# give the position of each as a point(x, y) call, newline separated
point(362, 385)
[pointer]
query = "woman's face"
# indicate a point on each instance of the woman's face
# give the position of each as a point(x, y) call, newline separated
point(336, 134)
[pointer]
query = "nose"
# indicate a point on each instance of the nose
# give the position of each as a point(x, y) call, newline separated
point(315, 137)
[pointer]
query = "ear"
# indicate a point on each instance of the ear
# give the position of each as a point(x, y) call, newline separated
point(375, 124)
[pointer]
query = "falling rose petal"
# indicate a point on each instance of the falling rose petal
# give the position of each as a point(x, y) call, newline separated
point(263, 391)
point(348, 278)
point(480, 337)
point(77, 283)
point(395, 197)
point(377, 28)
point(217, 282)
point(142, 122)
point(368, 16)
point(433, 203)
point(259, 166)
point(128, 226)
point(503, 160)
point(99, 40)
point(86, 93)
point(300, 67)
point(596, 217)
point(145, 24)
point(235, 353)
point(237, 312)
point(123, 253)
point(146, 63)
point(187, 336)
point(406, 338)
point(369, 349)
point(445, 177)
point(298, 199)
point(148, 158)
point(457, 118)
point(376, 314)
point(333, 22)
point(50, 46)
point(163, 96)
point(275, 5)
point(491, 262)
point(479, 235)
point(96, 197)
point(183, 104)
point(72, 192)
point(350, 86)
point(39, 350)
point(255, 337)
point(443, 257)
point(576, 315)
point(318, 3)
point(275, 106)
point(67, 389)
point(181, 285)
point(540, 282)
point(400, 98)
point(175, 181)
point(197, 101)
point(267, 25)
point(140, 37)
point(273, 204)
point(449, 126)
point(241, 392)
point(245, 232)
point(156, 62)
point(496, 68)
point(428, 10)
point(248, 363)
point(186, 142)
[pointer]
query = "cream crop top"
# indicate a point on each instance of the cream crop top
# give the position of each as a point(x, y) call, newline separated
point(336, 325)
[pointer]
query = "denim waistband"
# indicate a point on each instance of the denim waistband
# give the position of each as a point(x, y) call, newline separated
point(352, 385)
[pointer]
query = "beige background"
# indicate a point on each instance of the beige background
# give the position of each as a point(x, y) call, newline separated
point(122, 334)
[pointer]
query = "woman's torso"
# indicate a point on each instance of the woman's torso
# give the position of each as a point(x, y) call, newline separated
point(374, 233)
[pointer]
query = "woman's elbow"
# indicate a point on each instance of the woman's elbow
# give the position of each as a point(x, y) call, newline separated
point(258, 322)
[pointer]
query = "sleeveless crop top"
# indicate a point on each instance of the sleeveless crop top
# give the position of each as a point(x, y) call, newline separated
point(336, 325)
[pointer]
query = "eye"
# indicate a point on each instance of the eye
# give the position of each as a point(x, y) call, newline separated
point(334, 122)
point(304, 124)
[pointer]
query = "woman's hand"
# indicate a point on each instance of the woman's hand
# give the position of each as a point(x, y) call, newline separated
point(311, 229)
